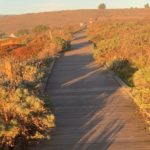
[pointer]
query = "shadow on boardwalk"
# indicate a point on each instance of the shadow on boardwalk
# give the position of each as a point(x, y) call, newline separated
point(92, 111)
point(83, 112)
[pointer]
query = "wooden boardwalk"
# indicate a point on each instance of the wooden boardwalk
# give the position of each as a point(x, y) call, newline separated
point(92, 111)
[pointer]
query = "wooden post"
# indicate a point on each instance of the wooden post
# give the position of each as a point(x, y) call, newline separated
point(8, 70)
point(51, 34)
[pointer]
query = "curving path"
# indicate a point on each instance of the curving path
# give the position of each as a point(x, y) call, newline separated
point(92, 111)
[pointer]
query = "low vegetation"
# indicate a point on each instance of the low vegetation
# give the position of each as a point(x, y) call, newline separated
point(124, 47)
point(22, 32)
point(25, 110)
point(40, 28)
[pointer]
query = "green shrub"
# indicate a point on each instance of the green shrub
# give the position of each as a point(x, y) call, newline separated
point(3, 35)
point(23, 114)
point(22, 32)
point(124, 69)
point(23, 110)
point(61, 43)
point(40, 28)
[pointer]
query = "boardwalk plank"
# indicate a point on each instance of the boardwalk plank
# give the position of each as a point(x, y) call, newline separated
point(92, 110)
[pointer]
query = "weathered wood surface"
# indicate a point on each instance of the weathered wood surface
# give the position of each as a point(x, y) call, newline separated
point(92, 111)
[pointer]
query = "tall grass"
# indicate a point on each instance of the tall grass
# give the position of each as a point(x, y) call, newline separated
point(124, 46)
point(25, 109)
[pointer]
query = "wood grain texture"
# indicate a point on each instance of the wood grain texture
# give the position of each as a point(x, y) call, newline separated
point(92, 110)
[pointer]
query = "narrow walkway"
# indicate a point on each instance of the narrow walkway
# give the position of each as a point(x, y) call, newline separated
point(92, 111)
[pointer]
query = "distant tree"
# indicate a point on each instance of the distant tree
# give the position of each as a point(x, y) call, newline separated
point(22, 32)
point(3, 35)
point(102, 6)
point(147, 5)
point(40, 28)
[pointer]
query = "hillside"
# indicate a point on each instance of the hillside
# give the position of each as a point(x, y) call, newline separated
point(61, 18)
point(124, 14)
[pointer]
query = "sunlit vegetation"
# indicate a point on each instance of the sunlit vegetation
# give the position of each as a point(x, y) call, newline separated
point(124, 47)
point(3, 35)
point(40, 28)
point(25, 110)
point(22, 32)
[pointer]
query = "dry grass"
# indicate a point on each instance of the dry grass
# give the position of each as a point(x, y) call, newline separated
point(56, 19)
point(13, 23)
point(124, 45)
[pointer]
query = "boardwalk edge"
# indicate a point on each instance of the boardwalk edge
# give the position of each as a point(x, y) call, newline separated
point(50, 71)
point(127, 90)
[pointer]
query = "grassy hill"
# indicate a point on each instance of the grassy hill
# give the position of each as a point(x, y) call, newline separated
point(61, 18)
point(124, 14)
point(12, 23)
